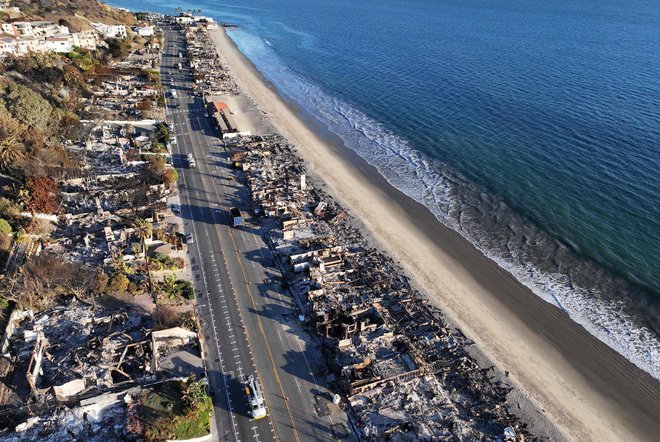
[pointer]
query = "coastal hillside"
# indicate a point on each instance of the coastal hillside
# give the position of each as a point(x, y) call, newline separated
point(88, 235)
point(76, 14)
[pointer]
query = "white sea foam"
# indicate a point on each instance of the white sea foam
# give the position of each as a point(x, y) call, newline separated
point(443, 191)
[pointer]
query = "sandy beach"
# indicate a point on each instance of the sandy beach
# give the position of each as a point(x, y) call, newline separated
point(584, 388)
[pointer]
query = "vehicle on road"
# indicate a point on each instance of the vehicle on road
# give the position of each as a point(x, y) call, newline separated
point(236, 217)
point(189, 238)
point(190, 160)
point(180, 66)
point(172, 93)
point(255, 398)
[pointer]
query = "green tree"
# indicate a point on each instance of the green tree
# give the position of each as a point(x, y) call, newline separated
point(26, 105)
point(9, 210)
point(118, 283)
point(119, 47)
point(164, 133)
point(11, 152)
point(169, 285)
point(118, 263)
point(143, 230)
point(193, 392)
point(9, 126)
point(136, 249)
point(5, 227)
point(170, 176)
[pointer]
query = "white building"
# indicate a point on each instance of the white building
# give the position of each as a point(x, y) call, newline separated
point(9, 28)
point(34, 44)
point(7, 45)
point(184, 19)
point(5, 5)
point(59, 43)
point(47, 28)
point(24, 28)
point(39, 28)
point(12, 45)
point(110, 31)
point(85, 39)
point(143, 30)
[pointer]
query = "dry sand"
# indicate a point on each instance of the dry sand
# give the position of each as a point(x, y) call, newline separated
point(585, 389)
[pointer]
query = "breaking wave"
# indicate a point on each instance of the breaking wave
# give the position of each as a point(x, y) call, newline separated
point(551, 268)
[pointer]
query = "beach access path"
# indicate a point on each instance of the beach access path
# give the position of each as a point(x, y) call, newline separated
point(583, 387)
point(249, 326)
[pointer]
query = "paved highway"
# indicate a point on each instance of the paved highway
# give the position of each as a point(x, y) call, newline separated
point(249, 325)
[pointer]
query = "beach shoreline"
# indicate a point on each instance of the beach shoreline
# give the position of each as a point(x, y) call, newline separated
point(586, 389)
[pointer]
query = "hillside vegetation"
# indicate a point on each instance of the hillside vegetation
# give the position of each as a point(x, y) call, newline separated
point(74, 13)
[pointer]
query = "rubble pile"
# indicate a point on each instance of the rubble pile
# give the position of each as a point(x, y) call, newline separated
point(75, 348)
point(78, 367)
point(127, 91)
point(211, 78)
point(405, 372)
point(101, 419)
point(99, 204)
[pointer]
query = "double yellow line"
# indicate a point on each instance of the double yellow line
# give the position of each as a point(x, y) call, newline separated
point(261, 328)
point(263, 334)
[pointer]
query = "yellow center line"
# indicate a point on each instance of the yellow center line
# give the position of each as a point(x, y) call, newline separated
point(233, 289)
point(261, 329)
point(263, 334)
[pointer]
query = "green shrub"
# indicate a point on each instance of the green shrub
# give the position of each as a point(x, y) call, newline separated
point(134, 289)
point(118, 283)
point(5, 227)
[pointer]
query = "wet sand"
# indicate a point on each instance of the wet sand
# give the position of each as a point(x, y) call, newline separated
point(584, 388)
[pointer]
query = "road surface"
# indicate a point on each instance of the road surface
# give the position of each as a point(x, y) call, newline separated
point(250, 325)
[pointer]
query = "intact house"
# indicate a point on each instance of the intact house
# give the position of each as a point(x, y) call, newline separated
point(110, 31)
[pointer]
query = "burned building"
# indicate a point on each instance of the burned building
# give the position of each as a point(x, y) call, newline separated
point(77, 351)
point(404, 372)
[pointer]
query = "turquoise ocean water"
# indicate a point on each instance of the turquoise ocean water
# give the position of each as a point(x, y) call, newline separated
point(532, 127)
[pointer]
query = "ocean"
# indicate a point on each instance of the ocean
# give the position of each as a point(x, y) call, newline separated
point(530, 127)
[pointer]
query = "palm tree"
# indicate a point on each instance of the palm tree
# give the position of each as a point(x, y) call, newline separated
point(136, 249)
point(11, 150)
point(25, 198)
point(118, 262)
point(143, 231)
point(169, 284)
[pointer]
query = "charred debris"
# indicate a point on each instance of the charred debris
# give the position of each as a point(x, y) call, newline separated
point(79, 367)
point(405, 374)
